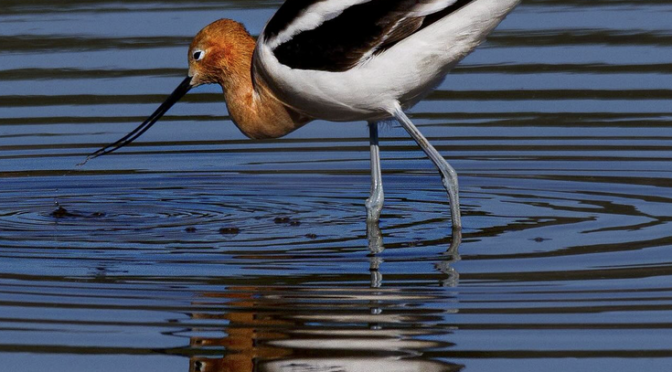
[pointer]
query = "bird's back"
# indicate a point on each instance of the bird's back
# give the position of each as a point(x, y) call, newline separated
point(352, 59)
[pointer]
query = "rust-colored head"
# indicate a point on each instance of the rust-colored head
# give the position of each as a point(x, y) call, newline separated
point(220, 54)
point(219, 51)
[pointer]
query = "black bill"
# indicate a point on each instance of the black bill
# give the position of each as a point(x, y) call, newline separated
point(178, 93)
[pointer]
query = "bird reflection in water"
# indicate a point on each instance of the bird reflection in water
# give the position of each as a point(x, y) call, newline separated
point(320, 326)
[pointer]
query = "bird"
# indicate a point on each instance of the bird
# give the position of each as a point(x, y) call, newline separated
point(340, 61)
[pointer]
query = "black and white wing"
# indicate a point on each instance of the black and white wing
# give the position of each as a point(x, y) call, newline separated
point(337, 35)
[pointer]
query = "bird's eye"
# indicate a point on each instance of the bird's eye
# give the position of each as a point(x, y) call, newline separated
point(198, 55)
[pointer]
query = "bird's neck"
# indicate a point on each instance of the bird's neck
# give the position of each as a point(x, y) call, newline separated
point(252, 106)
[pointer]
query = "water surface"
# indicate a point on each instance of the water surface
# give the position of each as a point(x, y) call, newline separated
point(196, 249)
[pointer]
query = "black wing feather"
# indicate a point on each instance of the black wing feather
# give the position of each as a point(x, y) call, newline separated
point(340, 44)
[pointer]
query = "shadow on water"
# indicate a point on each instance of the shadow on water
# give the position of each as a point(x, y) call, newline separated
point(196, 249)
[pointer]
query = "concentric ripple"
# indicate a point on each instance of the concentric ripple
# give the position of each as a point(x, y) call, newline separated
point(196, 249)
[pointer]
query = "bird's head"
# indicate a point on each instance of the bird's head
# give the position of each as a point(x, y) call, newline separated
point(218, 51)
point(218, 54)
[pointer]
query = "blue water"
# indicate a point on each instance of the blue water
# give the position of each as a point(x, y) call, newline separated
point(196, 249)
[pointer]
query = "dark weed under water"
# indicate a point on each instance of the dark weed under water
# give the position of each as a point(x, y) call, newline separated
point(196, 249)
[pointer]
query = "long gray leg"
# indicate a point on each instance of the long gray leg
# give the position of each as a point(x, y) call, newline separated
point(374, 204)
point(448, 174)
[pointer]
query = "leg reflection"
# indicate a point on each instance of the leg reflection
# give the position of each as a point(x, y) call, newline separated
point(375, 238)
point(376, 247)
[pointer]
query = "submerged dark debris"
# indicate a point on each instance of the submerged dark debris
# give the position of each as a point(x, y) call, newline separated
point(286, 220)
point(229, 231)
point(61, 212)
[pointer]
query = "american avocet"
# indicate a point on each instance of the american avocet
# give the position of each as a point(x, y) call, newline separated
point(337, 60)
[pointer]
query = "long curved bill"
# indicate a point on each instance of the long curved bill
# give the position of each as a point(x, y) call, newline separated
point(177, 94)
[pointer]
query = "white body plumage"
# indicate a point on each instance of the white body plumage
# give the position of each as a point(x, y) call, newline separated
point(404, 73)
